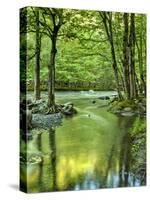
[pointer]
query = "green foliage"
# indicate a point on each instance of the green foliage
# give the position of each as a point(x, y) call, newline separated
point(139, 127)
point(83, 49)
point(138, 138)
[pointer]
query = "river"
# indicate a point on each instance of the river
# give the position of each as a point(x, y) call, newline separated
point(91, 150)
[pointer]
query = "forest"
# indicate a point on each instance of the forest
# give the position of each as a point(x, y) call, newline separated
point(83, 73)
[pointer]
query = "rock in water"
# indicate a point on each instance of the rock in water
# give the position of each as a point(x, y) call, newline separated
point(127, 109)
point(68, 109)
point(68, 103)
point(104, 98)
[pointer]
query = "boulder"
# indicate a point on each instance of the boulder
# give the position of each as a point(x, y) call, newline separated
point(104, 98)
point(68, 109)
point(127, 109)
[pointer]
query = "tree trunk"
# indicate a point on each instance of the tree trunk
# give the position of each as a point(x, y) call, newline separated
point(133, 93)
point(141, 59)
point(126, 56)
point(107, 21)
point(51, 76)
point(56, 18)
point(37, 59)
point(115, 66)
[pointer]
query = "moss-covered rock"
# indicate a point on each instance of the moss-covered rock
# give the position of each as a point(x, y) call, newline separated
point(128, 107)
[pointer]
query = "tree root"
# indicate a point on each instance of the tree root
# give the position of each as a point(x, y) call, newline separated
point(51, 110)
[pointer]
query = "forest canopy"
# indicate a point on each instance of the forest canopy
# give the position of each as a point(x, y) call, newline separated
point(88, 45)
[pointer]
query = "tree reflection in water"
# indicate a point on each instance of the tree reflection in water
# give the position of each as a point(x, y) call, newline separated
point(125, 152)
point(39, 146)
point(47, 167)
point(52, 143)
point(107, 163)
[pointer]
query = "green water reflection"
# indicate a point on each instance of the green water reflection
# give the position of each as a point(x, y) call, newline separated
point(90, 150)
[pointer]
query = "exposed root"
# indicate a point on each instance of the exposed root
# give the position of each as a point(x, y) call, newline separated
point(51, 110)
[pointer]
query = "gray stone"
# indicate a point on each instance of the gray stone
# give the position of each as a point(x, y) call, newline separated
point(68, 109)
point(46, 121)
point(127, 109)
point(128, 114)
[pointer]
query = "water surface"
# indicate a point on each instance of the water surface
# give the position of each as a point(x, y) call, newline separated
point(90, 150)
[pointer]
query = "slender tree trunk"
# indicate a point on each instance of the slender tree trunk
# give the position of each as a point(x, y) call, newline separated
point(126, 55)
point(51, 76)
point(37, 59)
point(115, 68)
point(138, 86)
point(56, 17)
point(141, 59)
point(107, 20)
point(133, 93)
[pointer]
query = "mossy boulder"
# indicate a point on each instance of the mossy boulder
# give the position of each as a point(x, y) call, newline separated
point(128, 107)
point(125, 107)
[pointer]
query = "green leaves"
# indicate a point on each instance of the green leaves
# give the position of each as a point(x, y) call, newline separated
point(83, 49)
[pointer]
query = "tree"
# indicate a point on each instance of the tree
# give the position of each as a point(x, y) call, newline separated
point(37, 57)
point(129, 56)
point(126, 55)
point(132, 73)
point(52, 20)
point(90, 43)
point(140, 40)
point(107, 21)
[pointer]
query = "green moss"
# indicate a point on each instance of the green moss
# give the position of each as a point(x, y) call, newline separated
point(120, 105)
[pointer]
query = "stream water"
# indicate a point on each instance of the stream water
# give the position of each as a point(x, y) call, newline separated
point(90, 150)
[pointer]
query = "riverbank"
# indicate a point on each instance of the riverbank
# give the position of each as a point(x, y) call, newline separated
point(138, 140)
point(128, 107)
point(41, 118)
point(73, 86)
